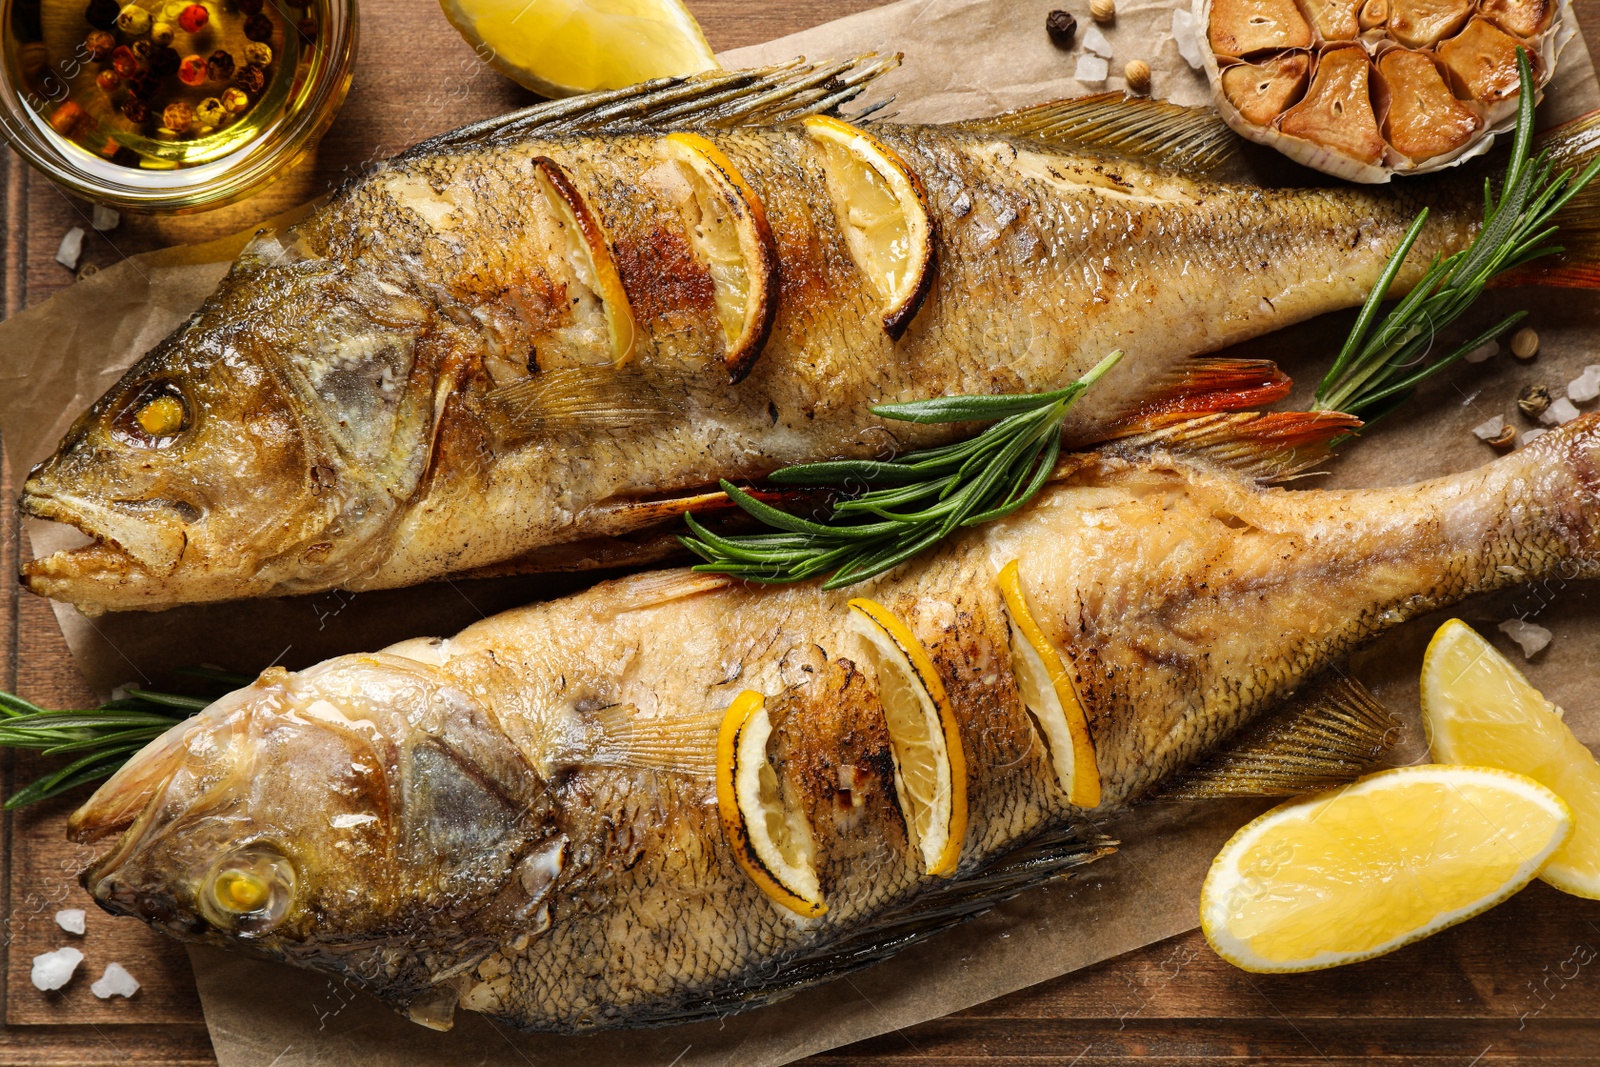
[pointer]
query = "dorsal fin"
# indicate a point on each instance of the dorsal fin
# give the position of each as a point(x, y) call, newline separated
point(1266, 446)
point(1191, 139)
point(1329, 733)
point(718, 98)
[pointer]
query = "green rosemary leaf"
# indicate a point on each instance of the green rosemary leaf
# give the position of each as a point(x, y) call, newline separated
point(897, 508)
point(94, 766)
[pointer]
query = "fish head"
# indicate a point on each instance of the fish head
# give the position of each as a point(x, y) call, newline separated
point(254, 446)
point(324, 818)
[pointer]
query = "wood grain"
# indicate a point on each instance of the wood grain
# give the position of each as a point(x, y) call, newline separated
point(1512, 986)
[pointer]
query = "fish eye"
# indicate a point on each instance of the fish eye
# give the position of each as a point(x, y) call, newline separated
point(154, 415)
point(248, 891)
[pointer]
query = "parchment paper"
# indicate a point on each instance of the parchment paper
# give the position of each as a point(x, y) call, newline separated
point(963, 58)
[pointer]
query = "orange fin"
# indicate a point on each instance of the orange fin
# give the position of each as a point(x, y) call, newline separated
point(1203, 386)
point(1572, 146)
point(1267, 446)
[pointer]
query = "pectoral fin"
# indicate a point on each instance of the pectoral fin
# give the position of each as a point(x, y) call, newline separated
point(578, 399)
point(1266, 446)
point(1329, 733)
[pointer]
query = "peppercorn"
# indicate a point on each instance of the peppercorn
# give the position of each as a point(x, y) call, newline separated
point(235, 100)
point(177, 117)
point(67, 118)
point(108, 81)
point(193, 18)
point(192, 71)
point(1533, 401)
point(257, 53)
point(251, 79)
point(249, 7)
point(102, 14)
point(1137, 74)
point(219, 66)
point(162, 33)
point(258, 27)
point(307, 28)
point(163, 61)
point(210, 111)
point(1525, 343)
point(123, 61)
point(133, 20)
point(135, 110)
point(99, 45)
point(144, 85)
point(140, 50)
point(1061, 27)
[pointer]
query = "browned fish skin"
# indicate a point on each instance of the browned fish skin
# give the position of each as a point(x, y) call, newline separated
point(342, 382)
point(531, 821)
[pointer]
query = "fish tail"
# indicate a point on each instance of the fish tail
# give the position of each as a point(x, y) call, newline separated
point(1573, 146)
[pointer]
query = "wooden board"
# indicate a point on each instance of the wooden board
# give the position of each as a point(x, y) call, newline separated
point(1521, 984)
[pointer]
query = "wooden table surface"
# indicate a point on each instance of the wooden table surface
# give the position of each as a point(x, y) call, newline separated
point(1520, 984)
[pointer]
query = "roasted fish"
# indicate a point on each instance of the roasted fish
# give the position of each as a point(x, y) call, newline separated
point(537, 341)
point(673, 795)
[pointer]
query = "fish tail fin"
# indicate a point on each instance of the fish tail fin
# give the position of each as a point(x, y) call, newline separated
point(1573, 146)
point(1267, 446)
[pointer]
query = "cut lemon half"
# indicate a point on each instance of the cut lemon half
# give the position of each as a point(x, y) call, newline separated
point(565, 47)
point(728, 230)
point(883, 214)
point(1050, 696)
point(589, 254)
point(772, 842)
point(1355, 872)
point(1479, 709)
point(930, 769)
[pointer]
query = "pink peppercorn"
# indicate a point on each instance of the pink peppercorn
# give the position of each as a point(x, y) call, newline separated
point(193, 18)
point(192, 71)
point(108, 81)
point(123, 61)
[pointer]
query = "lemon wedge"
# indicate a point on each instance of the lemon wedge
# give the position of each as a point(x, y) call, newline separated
point(1355, 872)
point(771, 842)
point(930, 769)
point(588, 252)
point(1479, 709)
point(880, 207)
point(566, 47)
point(1052, 699)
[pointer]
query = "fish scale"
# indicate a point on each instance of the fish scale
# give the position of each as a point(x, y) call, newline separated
point(447, 284)
point(514, 874)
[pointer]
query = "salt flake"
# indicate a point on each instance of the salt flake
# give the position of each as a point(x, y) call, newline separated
point(1586, 386)
point(70, 248)
point(105, 218)
point(70, 920)
point(1096, 42)
point(1530, 635)
point(1188, 41)
point(52, 970)
point(116, 982)
point(1559, 413)
point(1488, 431)
point(1529, 436)
point(1091, 70)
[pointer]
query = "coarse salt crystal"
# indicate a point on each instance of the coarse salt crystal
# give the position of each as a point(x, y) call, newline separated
point(116, 982)
point(105, 218)
point(70, 248)
point(1091, 69)
point(1530, 635)
point(1183, 32)
point(1586, 386)
point(1560, 412)
point(52, 970)
point(1096, 42)
point(1531, 435)
point(1490, 429)
point(1482, 352)
point(70, 920)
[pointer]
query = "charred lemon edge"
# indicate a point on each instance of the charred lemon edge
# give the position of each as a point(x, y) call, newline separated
point(1227, 869)
point(1083, 785)
point(901, 636)
point(884, 161)
point(564, 197)
point(739, 714)
point(756, 245)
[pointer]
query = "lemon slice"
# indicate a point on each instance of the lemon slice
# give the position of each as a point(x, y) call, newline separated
point(727, 227)
point(1479, 709)
point(1355, 872)
point(770, 841)
point(589, 254)
point(930, 769)
point(1051, 698)
point(565, 47)
point(881, 210)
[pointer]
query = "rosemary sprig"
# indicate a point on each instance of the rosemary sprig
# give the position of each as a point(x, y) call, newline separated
point(896, 508)
point(100, 739)
point(1381, 365)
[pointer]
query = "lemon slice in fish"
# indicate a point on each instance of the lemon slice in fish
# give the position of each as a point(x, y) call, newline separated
point(770, 841)
point(589, 253)
point(727, 227)
point(1355, 872)
point(1048, 691)
point(565, 47)
point(880, 207)
point(1479, 709)
point(930, 769)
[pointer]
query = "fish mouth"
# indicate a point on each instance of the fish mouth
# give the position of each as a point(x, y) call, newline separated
point(118, 539)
